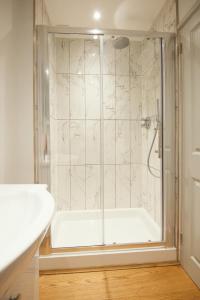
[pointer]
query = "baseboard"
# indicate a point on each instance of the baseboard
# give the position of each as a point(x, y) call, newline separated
point(108, 258)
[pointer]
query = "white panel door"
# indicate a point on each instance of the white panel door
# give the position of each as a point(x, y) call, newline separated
point(190, 65)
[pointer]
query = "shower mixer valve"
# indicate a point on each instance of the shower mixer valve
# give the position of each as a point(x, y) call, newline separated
point(146, 122)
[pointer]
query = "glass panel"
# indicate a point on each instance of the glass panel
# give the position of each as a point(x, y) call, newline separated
point(132, 113)
point(75, 129)
point(105, 97)
point(41, 122)
point(169, 142)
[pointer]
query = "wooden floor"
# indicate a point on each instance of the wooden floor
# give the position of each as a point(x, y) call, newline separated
point(163, 283)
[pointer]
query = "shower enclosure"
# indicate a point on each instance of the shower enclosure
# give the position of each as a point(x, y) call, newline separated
point(106, 137)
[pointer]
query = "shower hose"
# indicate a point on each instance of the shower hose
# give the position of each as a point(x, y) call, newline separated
point(150, 151)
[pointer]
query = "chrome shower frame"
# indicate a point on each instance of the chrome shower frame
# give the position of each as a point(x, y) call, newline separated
point(168, 96)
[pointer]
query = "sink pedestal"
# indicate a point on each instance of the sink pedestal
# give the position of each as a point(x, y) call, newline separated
point(27, 284)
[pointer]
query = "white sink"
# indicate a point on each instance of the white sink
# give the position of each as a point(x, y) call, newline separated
point(25, 215)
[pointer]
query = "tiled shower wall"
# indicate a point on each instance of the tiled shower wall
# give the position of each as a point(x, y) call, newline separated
point(151, 92)
point(166, 21)
point(77, 118)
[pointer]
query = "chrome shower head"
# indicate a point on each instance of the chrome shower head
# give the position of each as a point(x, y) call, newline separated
point(120, 42)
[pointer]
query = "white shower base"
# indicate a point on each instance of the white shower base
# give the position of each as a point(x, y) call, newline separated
point(86, 228)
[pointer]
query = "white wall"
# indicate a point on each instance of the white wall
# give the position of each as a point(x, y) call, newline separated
point(184, 6)
point(166, 20)
point(16, 91)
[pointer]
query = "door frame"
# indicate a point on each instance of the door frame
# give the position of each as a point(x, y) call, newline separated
point(181, 26)
point(170, 205)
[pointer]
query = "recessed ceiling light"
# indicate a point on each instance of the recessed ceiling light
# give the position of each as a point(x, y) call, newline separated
point(97, 15)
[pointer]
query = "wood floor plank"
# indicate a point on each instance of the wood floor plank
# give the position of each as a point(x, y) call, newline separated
point(156, 283)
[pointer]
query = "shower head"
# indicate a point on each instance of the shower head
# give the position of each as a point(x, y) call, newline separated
point(120, 42)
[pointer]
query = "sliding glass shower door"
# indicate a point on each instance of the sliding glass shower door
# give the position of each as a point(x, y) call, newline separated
point(132, 98)
point(76, 137)
point(105, 95)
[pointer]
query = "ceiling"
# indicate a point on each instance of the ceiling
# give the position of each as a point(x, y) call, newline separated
point(120, 14)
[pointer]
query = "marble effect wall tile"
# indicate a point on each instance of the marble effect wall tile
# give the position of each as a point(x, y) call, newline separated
point(93, 187)
point(92, 94)
point(122, 97)
point(154, 198)
point(109, 96)
point(144, 104)
point(145, 149)
point(62, 139)
point(77, 142)
point(122, 142)
point(135, 58)
point(53, 138)
point(157, 201)
point(109, 142)
point(122, 61)
point(123, 186)
point(109, 186)
point(53, 177)
point(52, 92)
point(92, 142)
point(52, 75)
point(62, 55)
point(63, 187)
point(62, 90)
point(136, 142)
point(78, 187)
point(145, 203)
point(92, 57)
point(77, 97)
point(77, 56)
point(135, 97)
point(136, 186)
point(108, 58)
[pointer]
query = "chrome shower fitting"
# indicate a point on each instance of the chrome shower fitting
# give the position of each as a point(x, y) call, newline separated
point(146, 122)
